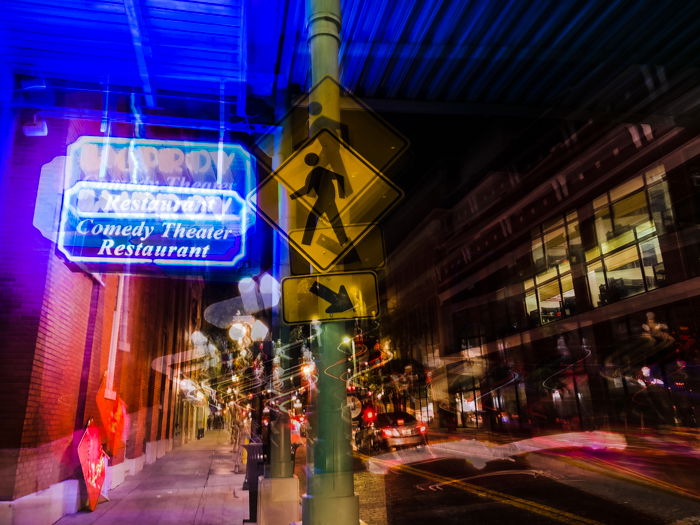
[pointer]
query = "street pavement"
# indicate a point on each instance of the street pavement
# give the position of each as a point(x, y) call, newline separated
point(654, 480)
point(193, 484)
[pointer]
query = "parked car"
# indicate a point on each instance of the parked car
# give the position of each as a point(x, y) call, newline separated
point(391, 430)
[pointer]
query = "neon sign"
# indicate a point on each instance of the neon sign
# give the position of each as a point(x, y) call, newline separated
point(155, 204)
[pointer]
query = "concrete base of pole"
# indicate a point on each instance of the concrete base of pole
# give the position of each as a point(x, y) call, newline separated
point(341, 510)
point(278, 501)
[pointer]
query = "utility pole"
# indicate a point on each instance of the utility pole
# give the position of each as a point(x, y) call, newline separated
point(330, 496)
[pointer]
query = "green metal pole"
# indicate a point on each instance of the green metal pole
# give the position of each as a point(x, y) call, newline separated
point(330, 494)
point(281, 465)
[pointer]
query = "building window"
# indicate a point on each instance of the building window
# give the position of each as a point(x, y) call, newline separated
point(549, 294)
point(626, 259)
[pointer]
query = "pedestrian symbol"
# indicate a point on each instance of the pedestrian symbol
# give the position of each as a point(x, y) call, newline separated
point(330, 296)
point(324, 187)
point(320, 181)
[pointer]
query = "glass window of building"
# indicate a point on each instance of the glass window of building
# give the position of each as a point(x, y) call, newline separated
point(549, 295)
point(626, 259)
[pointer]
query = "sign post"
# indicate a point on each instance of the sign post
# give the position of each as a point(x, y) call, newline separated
point(326, 199)
point(330, 495)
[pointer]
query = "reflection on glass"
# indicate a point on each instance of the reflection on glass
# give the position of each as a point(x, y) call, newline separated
point(568, 295)
point(630, 212)
point(624, 274)
point(574, 233)
point(603, 225)
point(531, 306)
point(626, 188)
point(546, 276)
point(596, 282)
point(660, 203)
point(654, 271)
point(555, 246)
point(538, 258)
point(550, 301)
point(625, 231)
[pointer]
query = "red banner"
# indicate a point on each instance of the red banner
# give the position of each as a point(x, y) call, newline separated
point(113, 413)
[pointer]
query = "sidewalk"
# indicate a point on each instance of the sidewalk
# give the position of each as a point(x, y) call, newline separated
point(193, 484)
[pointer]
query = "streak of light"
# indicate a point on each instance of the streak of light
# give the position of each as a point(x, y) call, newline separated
point(610, 468)
point(559, 372)
point(500, 497)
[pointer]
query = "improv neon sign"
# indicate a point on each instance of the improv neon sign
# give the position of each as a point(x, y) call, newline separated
point(161, 162)
point(201, 221)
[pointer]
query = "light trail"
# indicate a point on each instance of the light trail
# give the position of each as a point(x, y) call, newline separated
point(500, 497)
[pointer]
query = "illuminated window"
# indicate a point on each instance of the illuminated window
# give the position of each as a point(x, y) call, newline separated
point(549, 295)
point(626, 258)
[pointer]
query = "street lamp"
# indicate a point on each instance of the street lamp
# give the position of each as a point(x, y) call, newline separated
point(351, 340)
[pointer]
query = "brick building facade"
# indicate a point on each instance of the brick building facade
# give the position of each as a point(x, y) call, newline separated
point(57, 336)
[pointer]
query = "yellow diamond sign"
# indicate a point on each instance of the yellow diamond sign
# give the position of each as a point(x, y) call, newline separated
point(324, 199)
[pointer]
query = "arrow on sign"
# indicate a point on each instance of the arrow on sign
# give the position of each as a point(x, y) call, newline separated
point(340, 301)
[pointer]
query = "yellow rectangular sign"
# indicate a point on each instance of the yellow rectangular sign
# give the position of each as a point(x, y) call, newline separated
point(330, 297)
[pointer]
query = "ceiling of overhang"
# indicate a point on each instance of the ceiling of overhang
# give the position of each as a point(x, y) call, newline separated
point(500, 56)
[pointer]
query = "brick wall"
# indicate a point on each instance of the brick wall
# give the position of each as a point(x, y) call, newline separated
point(57, 324)
point(26, 257)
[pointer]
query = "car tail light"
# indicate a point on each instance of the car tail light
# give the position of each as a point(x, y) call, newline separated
point(390, 432)
point(400, 421)
point(422, 429)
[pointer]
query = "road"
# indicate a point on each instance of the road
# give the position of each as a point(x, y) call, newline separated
point(575, 486)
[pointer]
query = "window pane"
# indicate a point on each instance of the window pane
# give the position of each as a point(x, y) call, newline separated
point(516, 314)
point(556, 223)
point(656, 173)
point(603, 225)
point(574, 233)
point(538, 253)
point(660, 202)
point(569, 302)
point(593, 253)
point(626, 188)
point(654, 271)
point(555, 246)
point(630, 212)
point(596, 283)
point(624, 274)
point(531, 308)
point(600, 201)
point(617, 242)
point(546, 276)
point(550, 301)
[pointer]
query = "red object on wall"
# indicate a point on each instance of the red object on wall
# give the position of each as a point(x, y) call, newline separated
point(93, 461)
point(113, 413)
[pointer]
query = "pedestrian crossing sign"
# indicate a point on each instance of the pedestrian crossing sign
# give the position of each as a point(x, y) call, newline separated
point(324, 199)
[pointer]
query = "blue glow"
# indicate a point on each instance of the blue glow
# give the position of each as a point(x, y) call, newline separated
point(83, 234)
point(164, 203)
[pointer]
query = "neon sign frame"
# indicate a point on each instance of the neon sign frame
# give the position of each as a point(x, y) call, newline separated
point(234, 215)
